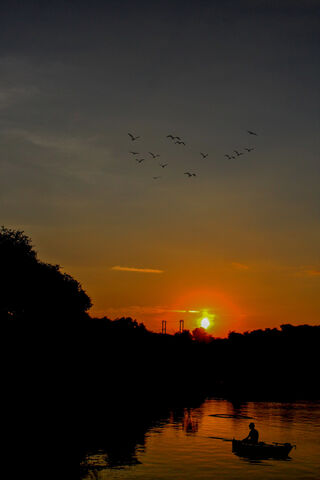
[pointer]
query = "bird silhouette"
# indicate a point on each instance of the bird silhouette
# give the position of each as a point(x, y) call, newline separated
point(134, 153)
point(238, 154)
point(180, 142)
point(228, 156)
point(139, 160)
point(155, 178)
point(173, 137)
point(252, 133)
point(163, 165)
point(133, 137)
point(190, 174)
point(204, 155)
point(154, 155)
point(249, 149)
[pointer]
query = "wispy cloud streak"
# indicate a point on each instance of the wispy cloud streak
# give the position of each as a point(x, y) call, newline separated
point(239, 266)
point(312, 273)
point(133, 269)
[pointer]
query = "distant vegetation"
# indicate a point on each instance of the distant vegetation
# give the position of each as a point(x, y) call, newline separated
point(269, 364)
point(121, 361)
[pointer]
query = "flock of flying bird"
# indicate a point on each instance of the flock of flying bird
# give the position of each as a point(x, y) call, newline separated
point(178, 141)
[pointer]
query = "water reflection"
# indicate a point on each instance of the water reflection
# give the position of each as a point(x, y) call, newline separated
point(114, 441)
point(189, 423)
point(121, 439)
point(178, 442)
point(113, 454)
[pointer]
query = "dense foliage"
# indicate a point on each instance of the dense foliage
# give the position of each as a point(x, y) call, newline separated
point(32, 290)
point(270, 363)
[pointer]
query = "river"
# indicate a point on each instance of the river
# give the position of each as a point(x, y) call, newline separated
point(179, 447)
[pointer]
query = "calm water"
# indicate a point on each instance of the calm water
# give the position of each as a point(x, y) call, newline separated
point(180, 448)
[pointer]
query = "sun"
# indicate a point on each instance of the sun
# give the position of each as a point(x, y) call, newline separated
point(205, 322)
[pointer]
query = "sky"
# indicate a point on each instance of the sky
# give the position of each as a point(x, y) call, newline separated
point(238, 242)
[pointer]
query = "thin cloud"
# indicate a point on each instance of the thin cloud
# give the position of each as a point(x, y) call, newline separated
point(133, 269)
point(47, 140)
point(312, 273)
point(183, 311)
point(239, 266)
point(138, 311)
point(305, 272)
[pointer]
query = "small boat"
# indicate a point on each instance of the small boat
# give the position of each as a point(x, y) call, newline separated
point(261, 449)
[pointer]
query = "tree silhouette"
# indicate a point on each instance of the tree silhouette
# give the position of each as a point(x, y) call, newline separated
point(32, 290)
point(200, 335)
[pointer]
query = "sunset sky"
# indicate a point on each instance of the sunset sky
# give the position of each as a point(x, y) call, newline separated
point(239, 242)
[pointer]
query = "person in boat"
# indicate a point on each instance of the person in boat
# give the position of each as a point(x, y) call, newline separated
point(253, 436)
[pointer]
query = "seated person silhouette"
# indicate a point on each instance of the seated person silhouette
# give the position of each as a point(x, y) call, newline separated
point(253, 436)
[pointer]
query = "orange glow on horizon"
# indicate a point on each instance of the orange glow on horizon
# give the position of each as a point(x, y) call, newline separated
point(222, 313)
point(231, 306)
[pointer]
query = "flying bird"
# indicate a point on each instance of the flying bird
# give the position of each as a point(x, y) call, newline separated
point(134, 153)
point(155, 178)
point(228, 156)
point(238, 154)
point(249, 149)
point(180, 142)
point(252, 133)
point(204, 155)
point(173, 137)
point(163, 165)
point(190, 174)
point(139, 160)
point(133, 137)
point(154, 155)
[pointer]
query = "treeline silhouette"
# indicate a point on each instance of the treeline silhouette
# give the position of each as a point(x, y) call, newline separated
point(270, 364)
